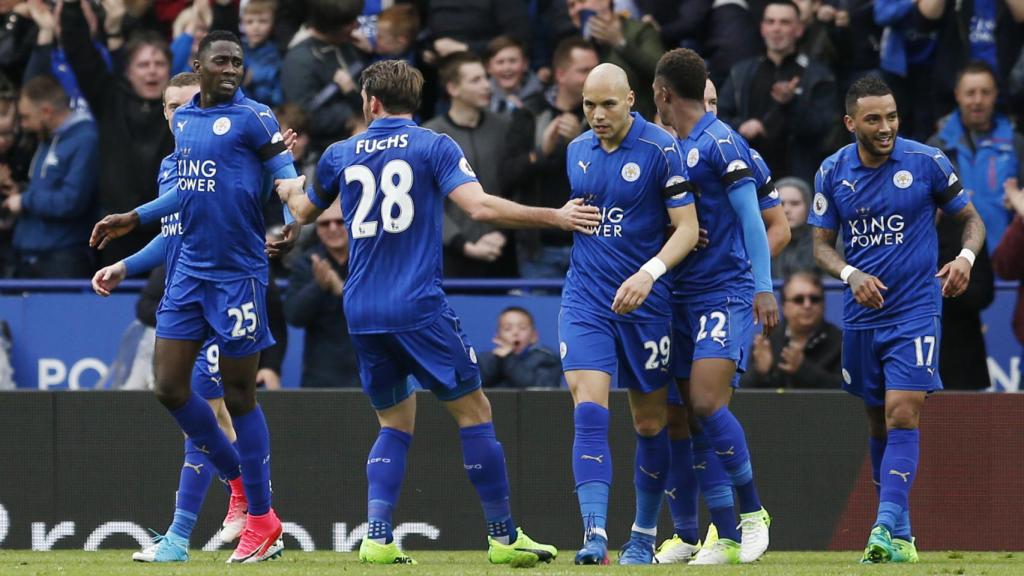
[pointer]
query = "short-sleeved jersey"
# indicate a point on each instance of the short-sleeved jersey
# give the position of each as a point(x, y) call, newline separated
point(887, 218)
point(633, 186)
point(222, 152)
point(717, 160)
point(767, 195)
point(170, 226)
point(393, 180)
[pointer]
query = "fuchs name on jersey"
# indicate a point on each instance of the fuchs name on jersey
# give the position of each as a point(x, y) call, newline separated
point(369, 145)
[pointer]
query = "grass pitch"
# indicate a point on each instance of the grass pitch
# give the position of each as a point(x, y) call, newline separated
point(118, 562)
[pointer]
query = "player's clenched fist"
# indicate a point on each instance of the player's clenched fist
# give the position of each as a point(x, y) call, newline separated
point(575, 216)
point(108, 277)
point(632, 293)
point(766, 311)
point(867, 290)
point(111, 227)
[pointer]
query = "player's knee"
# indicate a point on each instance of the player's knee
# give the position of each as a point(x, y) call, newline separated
point(238, 402)
point(904, 415)
point(705, 405)
point(649, 423)
point(170, 394)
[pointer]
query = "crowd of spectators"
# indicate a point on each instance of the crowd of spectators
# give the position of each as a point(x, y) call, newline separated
point(82, 132)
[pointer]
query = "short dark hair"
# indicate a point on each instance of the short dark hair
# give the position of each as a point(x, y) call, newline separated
point(870, 85)
point(183, 79)
point(520, 310)
point(563, 52)
point(976, 67)
point(448, 67)
point(330, 15)
point(685, 73)
point(806, 275)
point(218, 36)
point(45, 89)
point(789, 3)
point(499, 43)
point(395, 83)
point(143, 38)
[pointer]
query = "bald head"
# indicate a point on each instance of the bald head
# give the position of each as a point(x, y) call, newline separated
point(607, 101)
point(607, 79)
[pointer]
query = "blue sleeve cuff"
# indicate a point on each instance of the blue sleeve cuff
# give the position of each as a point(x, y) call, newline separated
point(744, 201)
point(315, 198)
point(146, 259)
point(156, 209)
point(286, 171)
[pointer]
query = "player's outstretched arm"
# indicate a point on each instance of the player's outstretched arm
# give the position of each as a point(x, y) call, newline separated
point(632, 293)
point(867, 289)
point(108, 278)
point(777, 228)
point(292, 192)
point(574, 216)
point(957, 273)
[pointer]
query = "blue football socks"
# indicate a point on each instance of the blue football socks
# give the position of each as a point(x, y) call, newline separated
point(484, 461)
point(653, 458)
point(899, 466)
point(682, 491)
point(716, 486)
point(730, 444)
point(197, 421)
point(385, 469)
point(195, 479)
point(254, 453)
point(592, 464)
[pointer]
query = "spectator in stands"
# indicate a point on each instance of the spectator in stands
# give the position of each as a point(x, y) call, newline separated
point(681, 24)
point(320, 73)
point(782, 102)
point(1008, 258)
point(50, 59)
point(469, 25)
point(190, 27)
point(17, 37)
point(314, 302)
point(517, 360)
point(473, 249)
point(633, 45)
point(907, 59)
point(55, 213)
point(988, 30)
point(512, 82)
point(129, 116)
point(983, 146)
point(16, 150)
point(815, 41)
point(805, 351)
point(855, 38)
point(798, 255)
point(534, 167)
point(262, 59)
point(397, 29)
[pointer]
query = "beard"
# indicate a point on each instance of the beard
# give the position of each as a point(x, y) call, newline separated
point(868, 144)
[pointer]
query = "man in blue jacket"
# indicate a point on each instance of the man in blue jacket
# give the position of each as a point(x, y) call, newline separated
point(983, 146)
point(56, 211)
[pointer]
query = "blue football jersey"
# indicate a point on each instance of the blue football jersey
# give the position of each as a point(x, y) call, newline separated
point(632, 186)
point(717, 160)
point(887, 219)
point(393, 180)
point(222, 152)
point(767, 195)
point(170, 226)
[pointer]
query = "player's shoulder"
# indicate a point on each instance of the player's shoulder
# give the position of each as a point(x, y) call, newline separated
point(658, 136)
point(249, 110)
point(836, 161)
point(918, 152)
point(580, 143)
point(169, 162)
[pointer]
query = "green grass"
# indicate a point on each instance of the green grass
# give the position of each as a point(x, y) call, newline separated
point(114, 562)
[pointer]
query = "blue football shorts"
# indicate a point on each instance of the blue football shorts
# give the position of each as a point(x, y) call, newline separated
point(904, 356)
point(439, 356)
point(640, 351)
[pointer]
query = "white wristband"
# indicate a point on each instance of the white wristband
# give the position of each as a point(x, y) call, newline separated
point(846, 273)
point(967, 255)
point(655, 267)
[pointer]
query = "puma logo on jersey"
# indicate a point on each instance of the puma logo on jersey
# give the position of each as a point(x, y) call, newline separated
point(599, 458)
point(267, 114)
point(583, 166)
point(651, 474)
point(702, 466)
point(904, 475)
point(671, 493)
point(851, 185)
point(203, 449)
point(195, 467)
point(728, 452)
point(181, 125)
